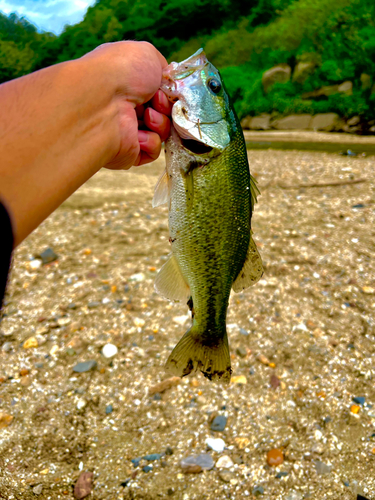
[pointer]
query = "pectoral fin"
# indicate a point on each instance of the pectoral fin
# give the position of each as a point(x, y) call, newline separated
point(170, 283)
point(252, 269)
point(161, 193)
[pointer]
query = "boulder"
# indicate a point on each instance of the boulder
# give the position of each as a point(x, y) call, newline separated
point(278, 74)
point(245, 122)
point(261, 122)
point(354, 120)
point(346, 88)
point(302, 71)
point(325, 121)
point(293, 122)
point(366, 81)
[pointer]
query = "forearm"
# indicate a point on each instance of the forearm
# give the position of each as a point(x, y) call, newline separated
point(55, 133)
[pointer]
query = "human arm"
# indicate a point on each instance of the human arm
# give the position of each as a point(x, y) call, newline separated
point(60, 125)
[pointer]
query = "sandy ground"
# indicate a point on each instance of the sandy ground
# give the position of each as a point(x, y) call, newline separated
point(302, 343)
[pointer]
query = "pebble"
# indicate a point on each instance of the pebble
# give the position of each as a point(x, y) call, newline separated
point(35, 264)
point(147, 468)
point(85, 366)
point(258, 490)
point(136, 461)
point(164, 385)
point(181, 320)
point(243, 331)
point(274, 381)
point(30, 342)
point(168, 450)
point(81, 404)
point(153, 456)
point(139, 322)
point(355, 409)
point(93, 304)
point(281, 474)
point(275, 457)
point(263, 359)
point(224, 462)
point(7, 346)
point(238, 379)
point(294, 495)
point(137, 277)
point(109, 350)
point(37, 490)
point(322, 468)
point(241, 352)
point(215, 444)
point(83, 485)
point(48, 256)
point(204, 461)
point(218, 424)
point(360, 400)
point(226, 475)
point(5, 420)
point(108, 409)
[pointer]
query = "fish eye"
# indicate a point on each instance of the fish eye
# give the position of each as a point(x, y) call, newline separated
point(214, 85)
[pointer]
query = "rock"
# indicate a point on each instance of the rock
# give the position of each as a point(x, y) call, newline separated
point(261, 122)
point(218, 424)
point(302, 71)
point(241, 352)
point(278, 74)
point(25, 381)
point(83, 485)
point(6, 347)
point(274, 381)
point(243, 331)
point(136, 461)
point(226, 475)
point(164, 385)
point(238, 379)
point(137, 277)
point(281, 474)
point(85, 366)
point(30, 343)
point(263, 359)
point(168, 450)
point(245, 122)
point(293, 122)
point(109, 350)
point(322, 468)
point(345, 88)
point(224, 462)
point(191, 463)
point(258, 490)
point(275, 457)
point(108, 409)
point(81, 404)
point(215, 444)
point(354, 120)
point(360, 400)
point(35, 264)
point(147, 468)
point(139, 322)
point(93, 304)
point(37, 490)
point(325, 121)
point(48, 256)
point(293, 495)
point(366, 81)
point(153, 456)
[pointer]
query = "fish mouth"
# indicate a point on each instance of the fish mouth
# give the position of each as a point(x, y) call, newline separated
point(195, 147)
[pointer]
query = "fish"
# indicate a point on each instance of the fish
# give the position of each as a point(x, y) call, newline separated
point(211, 195)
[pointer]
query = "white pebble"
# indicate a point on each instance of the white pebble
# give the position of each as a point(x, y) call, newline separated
point(109, 350)
point(224, 462)
point(81, 404)
point(215, 444)
point(35, 264)
point(137, 277)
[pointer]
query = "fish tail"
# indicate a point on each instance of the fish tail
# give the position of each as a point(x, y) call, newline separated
point(193, 353)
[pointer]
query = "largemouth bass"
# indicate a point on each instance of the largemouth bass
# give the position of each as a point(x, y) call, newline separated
point(211, 196)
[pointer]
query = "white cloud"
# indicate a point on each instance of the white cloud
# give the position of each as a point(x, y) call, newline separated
point(48, 15)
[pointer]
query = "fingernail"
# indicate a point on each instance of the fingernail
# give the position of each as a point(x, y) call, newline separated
point(155, 117)
point(142, 137)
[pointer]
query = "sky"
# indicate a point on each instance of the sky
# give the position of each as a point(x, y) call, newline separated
point(48, 15)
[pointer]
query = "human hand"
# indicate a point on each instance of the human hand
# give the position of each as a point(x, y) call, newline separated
point(140, 110)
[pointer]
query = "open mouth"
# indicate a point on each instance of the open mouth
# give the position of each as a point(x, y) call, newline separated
point(195, 146)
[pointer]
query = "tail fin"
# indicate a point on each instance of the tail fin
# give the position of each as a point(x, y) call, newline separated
point(192, 354)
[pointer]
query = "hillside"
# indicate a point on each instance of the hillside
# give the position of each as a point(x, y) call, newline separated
point(333, 43)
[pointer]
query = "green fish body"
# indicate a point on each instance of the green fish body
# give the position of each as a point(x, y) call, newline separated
point(211, 196)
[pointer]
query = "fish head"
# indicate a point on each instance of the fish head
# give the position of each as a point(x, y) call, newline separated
point(201, 112)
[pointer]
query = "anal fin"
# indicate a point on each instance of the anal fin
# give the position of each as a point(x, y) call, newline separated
point(252, 269)
point(170, 283)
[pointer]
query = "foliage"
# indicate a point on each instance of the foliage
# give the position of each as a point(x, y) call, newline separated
point(243, 39)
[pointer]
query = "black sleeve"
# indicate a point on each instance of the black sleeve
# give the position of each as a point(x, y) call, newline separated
point(6, 246)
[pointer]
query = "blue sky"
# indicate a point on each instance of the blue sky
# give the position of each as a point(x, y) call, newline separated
point(48, 15)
